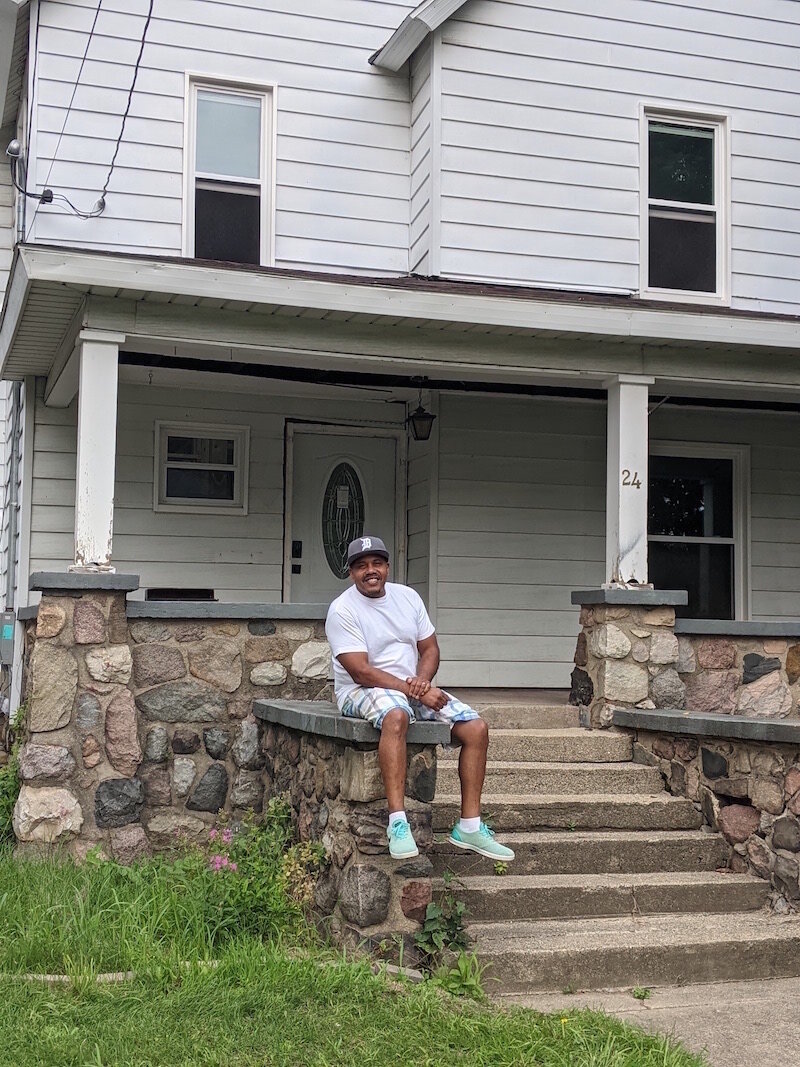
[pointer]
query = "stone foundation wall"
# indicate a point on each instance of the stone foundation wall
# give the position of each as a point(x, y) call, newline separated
point(629, 656)
point(140, 732)
point(337, 797)
point(742, 675)
point(748, 790)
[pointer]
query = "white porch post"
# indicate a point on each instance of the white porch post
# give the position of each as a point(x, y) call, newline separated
point(626, 479)
point(98, 354)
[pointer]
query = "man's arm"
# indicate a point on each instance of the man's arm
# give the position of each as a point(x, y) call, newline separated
point(363, 673)
point(428, 663)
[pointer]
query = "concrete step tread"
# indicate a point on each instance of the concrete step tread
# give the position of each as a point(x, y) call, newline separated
point(559, 731)
point(543, 838)
point(597, 882)
point(530, 938)
point(495, 801)
point(564, 768)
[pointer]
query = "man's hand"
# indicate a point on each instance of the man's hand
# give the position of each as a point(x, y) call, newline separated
point(417, 687)
point(435, 698)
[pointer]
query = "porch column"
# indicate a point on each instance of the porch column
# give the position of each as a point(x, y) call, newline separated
point(98, 354)
point(626, 479)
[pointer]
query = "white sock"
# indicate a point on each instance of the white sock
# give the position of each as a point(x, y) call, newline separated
point(469, 826)
point(397, 816)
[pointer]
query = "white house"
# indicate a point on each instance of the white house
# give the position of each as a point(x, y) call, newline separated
point(273, 228)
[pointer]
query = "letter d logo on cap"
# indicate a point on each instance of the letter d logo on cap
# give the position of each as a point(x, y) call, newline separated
point(366, 542)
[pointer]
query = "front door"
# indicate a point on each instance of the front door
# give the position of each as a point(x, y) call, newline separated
point(343, 486)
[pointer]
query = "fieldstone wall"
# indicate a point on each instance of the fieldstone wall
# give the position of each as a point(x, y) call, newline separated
point(741, 675)
point(629, 656)
point(748, 790)
point(337, 797)
point(626, 656)
point(140, 733)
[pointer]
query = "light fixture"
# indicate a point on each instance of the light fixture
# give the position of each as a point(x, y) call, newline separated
point(420, 421)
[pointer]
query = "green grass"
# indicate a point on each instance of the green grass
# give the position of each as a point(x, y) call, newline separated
point(275, 998)
point(261, 1007)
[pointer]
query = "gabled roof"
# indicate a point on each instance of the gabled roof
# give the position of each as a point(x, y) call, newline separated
point(412, 31)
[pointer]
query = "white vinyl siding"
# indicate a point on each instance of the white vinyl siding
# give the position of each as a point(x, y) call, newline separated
point(521, 524)
point(7, 133)
point(239, 556)
point(343, 149)
point(540, 133)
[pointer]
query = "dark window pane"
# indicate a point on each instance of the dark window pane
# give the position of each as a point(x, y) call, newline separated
point(690, 497)
point(200, 449)
point(199, 484)
point(227, 226)
point(705, 571)
point(681, 163)
point(683, 253)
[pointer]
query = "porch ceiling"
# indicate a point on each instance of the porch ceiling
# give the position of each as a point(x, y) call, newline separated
point(156, 303)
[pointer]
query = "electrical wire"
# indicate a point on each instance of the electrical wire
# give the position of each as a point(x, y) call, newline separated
point(71, 101)
point(128, 104)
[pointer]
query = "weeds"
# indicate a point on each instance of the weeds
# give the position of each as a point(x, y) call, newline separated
point(464, 978)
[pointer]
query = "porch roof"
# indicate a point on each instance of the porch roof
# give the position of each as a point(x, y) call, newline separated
point(50, 288)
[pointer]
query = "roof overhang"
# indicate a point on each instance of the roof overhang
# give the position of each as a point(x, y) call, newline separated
point(11, 12)
point(50, 290)
point(412, 31)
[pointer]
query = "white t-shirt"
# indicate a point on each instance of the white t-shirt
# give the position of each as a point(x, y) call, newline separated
point(387, 628)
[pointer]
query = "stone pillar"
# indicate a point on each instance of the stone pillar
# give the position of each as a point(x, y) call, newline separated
point(79, 763)
point(626, 480)
point(627, 652)
point(97, 447)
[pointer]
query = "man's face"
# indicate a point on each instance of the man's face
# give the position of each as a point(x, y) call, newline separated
point(369, 574)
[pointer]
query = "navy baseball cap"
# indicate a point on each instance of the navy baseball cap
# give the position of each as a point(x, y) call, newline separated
point(366, 546)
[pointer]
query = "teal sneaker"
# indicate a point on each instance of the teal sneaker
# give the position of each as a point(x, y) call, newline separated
point(402, 845)
point(481, 841)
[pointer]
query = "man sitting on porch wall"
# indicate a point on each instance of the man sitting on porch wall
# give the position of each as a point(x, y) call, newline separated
point(385, 655)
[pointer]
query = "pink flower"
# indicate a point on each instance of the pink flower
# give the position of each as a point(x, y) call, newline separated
point(227, 836)
point(213, 835)
point(233, 866)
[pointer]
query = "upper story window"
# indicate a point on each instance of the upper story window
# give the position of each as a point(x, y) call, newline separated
point(229, 168)
point(684, 208)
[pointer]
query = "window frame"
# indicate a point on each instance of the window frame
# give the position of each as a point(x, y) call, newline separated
point(194, 506)
point(268, 91)
point(740, 455)
point(719, 122)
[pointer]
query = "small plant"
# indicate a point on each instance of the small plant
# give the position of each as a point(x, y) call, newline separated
point(572, 825)
point(301, 866)
point(500, 868)
point(568, 990)
point(443, 928)
point(464, 978)
point(641, 992)
point(9, 791)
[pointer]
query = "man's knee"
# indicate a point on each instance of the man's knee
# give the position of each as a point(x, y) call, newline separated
point(474, 732)
point(395, 723)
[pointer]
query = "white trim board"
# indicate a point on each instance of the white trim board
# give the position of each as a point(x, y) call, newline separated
point(412, 31)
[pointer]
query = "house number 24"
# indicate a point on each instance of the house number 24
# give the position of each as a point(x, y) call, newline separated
point(631, 478)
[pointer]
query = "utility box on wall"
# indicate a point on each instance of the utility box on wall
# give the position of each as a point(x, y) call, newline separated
point(7, 620)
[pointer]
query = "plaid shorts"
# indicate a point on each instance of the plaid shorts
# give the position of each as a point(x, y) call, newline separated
point(374, 705)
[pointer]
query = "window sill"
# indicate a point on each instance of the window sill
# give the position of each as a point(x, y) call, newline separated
point(682, 296)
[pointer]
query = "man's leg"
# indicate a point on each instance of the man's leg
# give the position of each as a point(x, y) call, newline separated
point(392, 756)
point(473, 736)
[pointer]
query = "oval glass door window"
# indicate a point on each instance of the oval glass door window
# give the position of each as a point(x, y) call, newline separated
point(342, 516)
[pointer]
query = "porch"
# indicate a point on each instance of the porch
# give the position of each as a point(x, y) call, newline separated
point(534, 481)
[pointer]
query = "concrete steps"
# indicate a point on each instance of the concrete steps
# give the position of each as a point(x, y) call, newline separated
point(520, 897)
point(557, 745)
point(527, 777)
point(528, 716)
point(605, 811)
point(647, 950)
point(614, 884)
point(593, 851)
